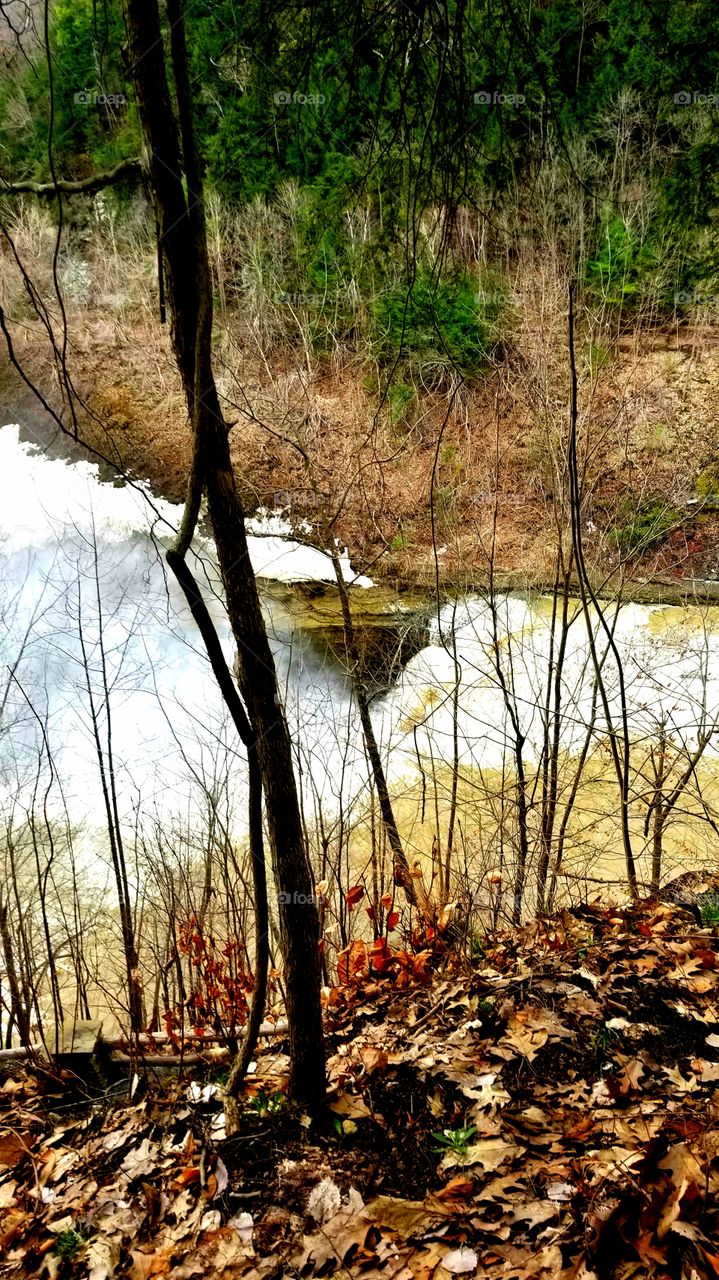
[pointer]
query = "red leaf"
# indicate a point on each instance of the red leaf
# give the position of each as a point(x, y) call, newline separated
point(354, 895)
point(393, 919)
point(380, 955)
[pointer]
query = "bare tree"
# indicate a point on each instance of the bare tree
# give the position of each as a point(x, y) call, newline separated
point(181, 220)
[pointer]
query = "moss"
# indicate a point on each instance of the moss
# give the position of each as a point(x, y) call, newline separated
point(707, 482)
point(646, 526)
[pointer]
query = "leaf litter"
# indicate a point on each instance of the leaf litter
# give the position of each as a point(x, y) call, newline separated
point(550, 1111)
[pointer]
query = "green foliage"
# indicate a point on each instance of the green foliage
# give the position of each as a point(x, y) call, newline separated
point(434, 325)
point(267, 1104)
point(619, 272)
point(707, 483)
point(443, 500)
point(478, 946)
point(385, 117)
point(94, 122)
point(709, 912)
point(603, 1039)
point(597, 357)
point(646, 525)
point(455, 1140)
point(68, 1244)
point(401, 397)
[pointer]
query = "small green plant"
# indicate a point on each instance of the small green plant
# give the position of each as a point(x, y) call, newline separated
point(443, 499)
point(455, 1140)
point(267, 1105)
point(476, 946)
point(398, 543)
point(659, 438)
point(707, 484)
point(401, 397)
point(603, 1038)
point(583, 951)
point(68, 1244)
point(597, 357)
point(709, 912)
point(486, 1006)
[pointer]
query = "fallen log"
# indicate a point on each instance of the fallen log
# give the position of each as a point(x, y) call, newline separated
point(193, 1037)
point(77, 1045)
point(168, 1059)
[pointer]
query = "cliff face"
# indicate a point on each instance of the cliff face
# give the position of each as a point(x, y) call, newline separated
point(20, 21)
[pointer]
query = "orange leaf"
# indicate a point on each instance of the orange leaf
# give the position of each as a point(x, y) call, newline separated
point(456, 1189)
point(354, 895)
point(393, 920)
point(352, 963)
point(381, 955)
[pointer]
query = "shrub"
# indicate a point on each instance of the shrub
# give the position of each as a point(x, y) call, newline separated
point(401, 397)
point(614, 276)
point(435, 326)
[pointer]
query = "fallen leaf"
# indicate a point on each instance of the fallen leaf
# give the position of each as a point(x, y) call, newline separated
point(460, 1261)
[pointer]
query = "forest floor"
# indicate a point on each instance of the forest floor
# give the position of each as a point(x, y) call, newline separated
point(551, 1110)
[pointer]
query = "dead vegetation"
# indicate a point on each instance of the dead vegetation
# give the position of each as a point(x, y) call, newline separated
point(489, 454)
point(551, 1112)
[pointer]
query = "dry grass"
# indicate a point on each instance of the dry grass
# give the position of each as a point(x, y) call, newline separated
point(649, 403)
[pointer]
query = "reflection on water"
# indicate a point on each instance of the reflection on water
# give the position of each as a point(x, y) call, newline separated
point(91, 620)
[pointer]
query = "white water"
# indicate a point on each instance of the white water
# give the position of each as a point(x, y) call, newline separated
point(54, 515)
point(670, 658)
point(80, 560)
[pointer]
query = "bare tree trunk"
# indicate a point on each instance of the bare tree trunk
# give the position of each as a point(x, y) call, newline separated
point(18, 1011)
point(184, 247)
point(618, 739)
point(257, 852)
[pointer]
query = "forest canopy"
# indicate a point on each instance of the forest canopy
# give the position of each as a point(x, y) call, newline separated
point(386, 111)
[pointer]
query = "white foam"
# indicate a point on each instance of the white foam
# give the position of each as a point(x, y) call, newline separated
point(40, 497)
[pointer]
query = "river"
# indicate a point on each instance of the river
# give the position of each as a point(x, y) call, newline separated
point(87, 605)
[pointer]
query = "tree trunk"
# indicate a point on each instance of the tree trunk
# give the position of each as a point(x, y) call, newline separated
point(184, 247)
